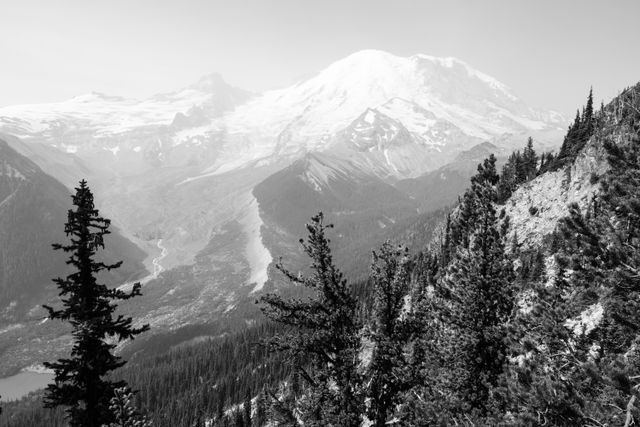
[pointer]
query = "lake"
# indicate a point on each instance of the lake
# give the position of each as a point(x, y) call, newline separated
point(16, 386)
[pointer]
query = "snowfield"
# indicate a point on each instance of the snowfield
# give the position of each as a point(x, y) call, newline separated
point(256, 253)
point(439, 101)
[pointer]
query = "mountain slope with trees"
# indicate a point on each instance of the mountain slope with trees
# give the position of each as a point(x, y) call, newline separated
point(33, 206)
point(497, 321)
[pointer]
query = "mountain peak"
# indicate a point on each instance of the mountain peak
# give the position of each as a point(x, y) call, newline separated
point(209, 83)
point(370, 55)
point(373, 130)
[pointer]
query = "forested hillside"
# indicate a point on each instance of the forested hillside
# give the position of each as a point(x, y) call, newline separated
point(33, 207)
point(479, 326)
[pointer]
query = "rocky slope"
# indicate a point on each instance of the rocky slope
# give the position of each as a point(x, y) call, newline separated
point(536, 207)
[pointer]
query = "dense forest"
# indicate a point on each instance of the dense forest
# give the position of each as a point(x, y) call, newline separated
point(472, 329)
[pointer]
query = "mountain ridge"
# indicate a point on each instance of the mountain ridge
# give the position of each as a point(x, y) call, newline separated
point(432, 97)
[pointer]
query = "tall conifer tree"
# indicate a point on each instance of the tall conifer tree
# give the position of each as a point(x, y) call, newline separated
point(325, 333)
point(478, 297)
point(81, 382)
point(389, 370)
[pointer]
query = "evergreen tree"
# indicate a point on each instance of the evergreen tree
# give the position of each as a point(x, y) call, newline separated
point(468, 211)
point(521, 168)
point(546, 162)
point(238, 418)
point(577, 135)
point(246, 408)
point(548, 358)
point(477, 294)
point(220, 410)
point(529, 161)
point(261, 410)
point(445, 247)
point(124, 411)
point(582, 367)
point(389, 373)
point(426, 403)
point(588, 120)
point(81, 381)
point(324, 332)
point(507, 183)
point(283, 410)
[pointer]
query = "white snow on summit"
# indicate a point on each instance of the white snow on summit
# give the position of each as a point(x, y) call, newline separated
point(428, 95)
point(444, 103)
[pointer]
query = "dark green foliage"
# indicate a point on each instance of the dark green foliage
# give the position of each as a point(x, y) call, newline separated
point(426, 403)
point(508, 178)
point(473, 330)
point(239, 418)
point(389, 375)
point(324, 335)
point(124, 410)
point(579, 132)
point(187, 383)
point(544, 373)
point(580, 373)
point(477, 294)
point(481, 193)
point(246, 411)
point(80, 381)
point(529, 162)
point(518, 169)
point(261, 410)
point(546, 162)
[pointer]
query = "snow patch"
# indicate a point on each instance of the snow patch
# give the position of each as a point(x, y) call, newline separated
point(388, 160)
point(256, 253)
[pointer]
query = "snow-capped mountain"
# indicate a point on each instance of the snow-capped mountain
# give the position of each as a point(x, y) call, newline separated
point(385, 147)
point(443, 103)
point(96, 122)
point(183, 164)
point(440, 100)
point(226, 179)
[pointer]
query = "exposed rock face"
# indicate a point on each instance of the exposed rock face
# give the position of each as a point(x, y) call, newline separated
point(536, 207)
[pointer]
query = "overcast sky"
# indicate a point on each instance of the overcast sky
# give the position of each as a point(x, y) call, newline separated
point(548, 51)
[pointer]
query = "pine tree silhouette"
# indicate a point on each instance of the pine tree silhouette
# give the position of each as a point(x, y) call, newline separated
point(81, 381)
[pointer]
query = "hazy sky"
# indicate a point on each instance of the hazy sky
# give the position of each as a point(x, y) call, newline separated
point(548, 51)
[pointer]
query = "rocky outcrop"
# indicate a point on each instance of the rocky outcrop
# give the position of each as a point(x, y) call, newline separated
point(536, 207)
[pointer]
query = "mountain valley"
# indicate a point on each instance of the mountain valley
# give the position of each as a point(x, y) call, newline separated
point(226, 179)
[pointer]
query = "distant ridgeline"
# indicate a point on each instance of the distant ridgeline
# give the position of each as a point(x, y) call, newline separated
point(517, 313)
